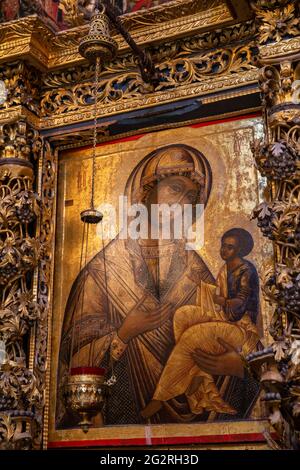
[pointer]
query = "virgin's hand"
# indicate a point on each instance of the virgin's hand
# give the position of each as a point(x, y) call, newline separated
point(138, 322)
point(229, 363)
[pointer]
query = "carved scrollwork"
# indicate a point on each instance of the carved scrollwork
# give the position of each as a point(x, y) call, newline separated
point(170, 50)
point(190, 70)
point(128, 86)
point(218, 37)
point(279, 85)
point(200, 62)
point(69, 90)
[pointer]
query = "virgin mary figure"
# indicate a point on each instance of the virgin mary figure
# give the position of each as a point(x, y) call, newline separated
point(122, 303)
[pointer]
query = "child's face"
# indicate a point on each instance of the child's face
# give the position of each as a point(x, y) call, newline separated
point(229, 248)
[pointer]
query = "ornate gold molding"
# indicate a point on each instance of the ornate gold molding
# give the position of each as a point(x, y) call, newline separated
point(64, 96)
point(50, 86)
point(283, 49)
point(19, 112)
point(13, 114)
point(154, 99)
point(75, 14)
point(241, 34)
point(198, 65)
point(32, 38)
point(85, 138)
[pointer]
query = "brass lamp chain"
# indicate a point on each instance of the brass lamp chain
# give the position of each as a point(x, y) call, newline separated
point(96, 86)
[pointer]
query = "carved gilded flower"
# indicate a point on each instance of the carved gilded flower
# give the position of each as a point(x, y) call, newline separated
point(278, 23)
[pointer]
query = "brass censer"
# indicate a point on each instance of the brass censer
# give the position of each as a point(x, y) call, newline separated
point(84, 393)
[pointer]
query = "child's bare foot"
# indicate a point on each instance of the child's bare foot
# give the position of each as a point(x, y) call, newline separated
point(153, 407)
point(194, 385)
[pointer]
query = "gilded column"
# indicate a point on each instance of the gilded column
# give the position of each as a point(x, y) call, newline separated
point(278, 159)
point(20, 250)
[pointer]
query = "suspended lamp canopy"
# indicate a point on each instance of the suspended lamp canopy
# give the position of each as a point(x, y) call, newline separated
point(98, 43)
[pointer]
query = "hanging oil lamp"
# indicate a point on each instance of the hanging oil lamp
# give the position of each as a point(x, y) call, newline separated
point(86, 386)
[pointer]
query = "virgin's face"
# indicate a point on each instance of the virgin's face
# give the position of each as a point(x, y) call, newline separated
point(174, 190)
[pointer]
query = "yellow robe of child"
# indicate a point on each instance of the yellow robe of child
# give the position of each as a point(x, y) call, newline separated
point(199, 327)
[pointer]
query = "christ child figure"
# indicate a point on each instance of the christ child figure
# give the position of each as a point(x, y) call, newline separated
point(224, 319)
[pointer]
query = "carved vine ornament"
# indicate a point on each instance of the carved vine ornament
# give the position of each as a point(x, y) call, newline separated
point(23, 214)
point(278, 159)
